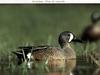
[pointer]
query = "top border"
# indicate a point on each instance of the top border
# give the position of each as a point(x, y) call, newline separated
point(49, 1)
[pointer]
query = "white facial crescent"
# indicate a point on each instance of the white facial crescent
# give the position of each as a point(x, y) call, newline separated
point(71, 37)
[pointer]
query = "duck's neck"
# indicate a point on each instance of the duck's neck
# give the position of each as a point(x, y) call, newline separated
point(65, 45)
point(68, 50)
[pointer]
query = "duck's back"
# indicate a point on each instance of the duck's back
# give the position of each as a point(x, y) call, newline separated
point(51, 56)
point(56, 57)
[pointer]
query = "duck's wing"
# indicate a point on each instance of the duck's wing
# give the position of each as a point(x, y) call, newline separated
point(27, 49)
point(52, 52)
point(33, 47)
point(17, 52)
point(39, 48)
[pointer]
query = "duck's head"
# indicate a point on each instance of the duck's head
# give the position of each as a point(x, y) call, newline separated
point(95, 17)
point(67, 37)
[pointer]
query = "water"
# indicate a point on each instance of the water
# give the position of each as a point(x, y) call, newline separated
point(80, 69)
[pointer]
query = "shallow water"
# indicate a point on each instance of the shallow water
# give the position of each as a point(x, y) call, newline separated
point(80, 69)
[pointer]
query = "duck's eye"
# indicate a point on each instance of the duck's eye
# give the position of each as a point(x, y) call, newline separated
point(68, 34)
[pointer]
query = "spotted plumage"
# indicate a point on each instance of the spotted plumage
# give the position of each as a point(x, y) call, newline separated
point(54, 56)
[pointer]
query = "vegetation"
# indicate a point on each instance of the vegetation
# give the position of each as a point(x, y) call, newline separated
point(40, 24)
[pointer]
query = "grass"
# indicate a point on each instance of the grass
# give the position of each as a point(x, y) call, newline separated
point(35, 24)
point(11, 59)
point(40, 24)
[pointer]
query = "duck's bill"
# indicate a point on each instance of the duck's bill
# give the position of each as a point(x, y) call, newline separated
point(77, 40)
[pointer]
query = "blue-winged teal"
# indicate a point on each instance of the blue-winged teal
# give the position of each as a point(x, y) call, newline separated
point(52, 55)
point(92, 32)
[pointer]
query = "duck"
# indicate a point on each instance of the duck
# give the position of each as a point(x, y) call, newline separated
point(91, 33)
point(53, 56)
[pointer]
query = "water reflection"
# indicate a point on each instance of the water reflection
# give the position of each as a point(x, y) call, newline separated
point(5, 69)
point(59, 73)
point(96, 72)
